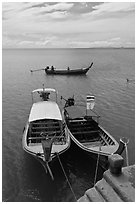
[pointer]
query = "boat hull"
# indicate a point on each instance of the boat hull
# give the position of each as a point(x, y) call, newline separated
point(45, 136)
point(103, 159)
point(81, 71)
point(88, 136)
point(67, 72)
point(50, 166)
point(102, 156)
point(41, 156)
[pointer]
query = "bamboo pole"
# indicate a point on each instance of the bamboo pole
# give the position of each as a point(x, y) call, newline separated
point(35, 70)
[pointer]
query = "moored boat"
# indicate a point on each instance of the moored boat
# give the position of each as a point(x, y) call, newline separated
point(68, 71)
point(86, 133)
point(45, 136)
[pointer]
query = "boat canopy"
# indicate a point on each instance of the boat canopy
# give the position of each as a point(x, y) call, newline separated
point(45, 89)
point(45, 110)
point(75, 112)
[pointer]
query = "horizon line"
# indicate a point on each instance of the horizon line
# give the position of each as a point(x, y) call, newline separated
point(122, 47)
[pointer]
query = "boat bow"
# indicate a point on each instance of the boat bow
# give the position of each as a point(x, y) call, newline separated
point(122, 144)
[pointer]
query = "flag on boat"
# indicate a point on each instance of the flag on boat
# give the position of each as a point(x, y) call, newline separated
point(90, 102)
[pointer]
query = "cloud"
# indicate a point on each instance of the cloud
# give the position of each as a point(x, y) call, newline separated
point(57, 15)
point(45, 8)
point(31, 11)
point(114, 7)
point(96, 44)
point(59, 7)
point(25, 42)
point(68, 24)
point(110, 10)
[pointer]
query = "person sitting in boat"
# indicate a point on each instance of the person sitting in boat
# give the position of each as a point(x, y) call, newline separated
point(47, 67)
point(68, 68)
point(52, 68)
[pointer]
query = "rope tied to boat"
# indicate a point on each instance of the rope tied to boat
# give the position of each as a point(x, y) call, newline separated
point(126, 141)
point(96, 171)
point(66, 177)
point(126, 149)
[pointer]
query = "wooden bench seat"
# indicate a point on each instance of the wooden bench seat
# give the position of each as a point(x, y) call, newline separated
point(89, 140)
point(79, 123)
point(40, 138)
point(46, 128)
point(36, 133)
point(82, 129)
point(78, 120)
point(83, 125)
point(45, 124)
point(85, 132)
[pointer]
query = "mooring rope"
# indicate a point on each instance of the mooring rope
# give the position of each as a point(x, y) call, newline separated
point(66, 177)
point(97, 166)
point(126, 154)
point(50, 172)
point(96, 170)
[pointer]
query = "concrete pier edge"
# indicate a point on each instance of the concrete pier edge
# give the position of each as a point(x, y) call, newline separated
point(117, 184)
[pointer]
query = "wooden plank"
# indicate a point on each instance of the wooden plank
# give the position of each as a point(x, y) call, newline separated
point(45, 128)
point(48, 132)
point(85, 132)
point(35, 138)
point(45, 123)
point(82, 129)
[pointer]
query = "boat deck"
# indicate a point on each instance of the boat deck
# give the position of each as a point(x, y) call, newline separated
point(89, 133)
point(38, 148)
point(50, 128)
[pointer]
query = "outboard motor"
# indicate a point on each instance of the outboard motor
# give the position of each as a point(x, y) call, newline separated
point(70, 102)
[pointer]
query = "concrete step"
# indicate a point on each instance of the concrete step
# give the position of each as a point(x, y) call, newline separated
point(84, 198)
point(107, 191)
point(121, 184)
point(94, 196)
point(117, 184)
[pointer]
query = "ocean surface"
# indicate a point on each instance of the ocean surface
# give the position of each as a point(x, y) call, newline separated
point(23, 177)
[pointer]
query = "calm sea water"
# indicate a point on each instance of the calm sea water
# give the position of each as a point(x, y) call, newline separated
point(24, 179)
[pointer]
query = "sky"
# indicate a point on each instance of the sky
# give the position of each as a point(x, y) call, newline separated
point(68, 24)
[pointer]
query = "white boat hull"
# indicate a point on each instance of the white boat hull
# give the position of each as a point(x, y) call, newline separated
point(37, 150)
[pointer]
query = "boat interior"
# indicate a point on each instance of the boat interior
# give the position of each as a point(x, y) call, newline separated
point(88, 132)
point(46, 129)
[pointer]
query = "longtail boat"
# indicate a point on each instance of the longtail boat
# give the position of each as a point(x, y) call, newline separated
point(45, 135)
point(86, 133)
point(68, 71)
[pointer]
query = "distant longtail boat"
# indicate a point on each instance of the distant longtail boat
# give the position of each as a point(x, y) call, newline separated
point(68, 71)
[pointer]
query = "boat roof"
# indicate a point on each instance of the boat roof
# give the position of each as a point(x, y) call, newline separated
point(45, 110)
point(45, 89)
point(75, 112)
point(78, 111)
